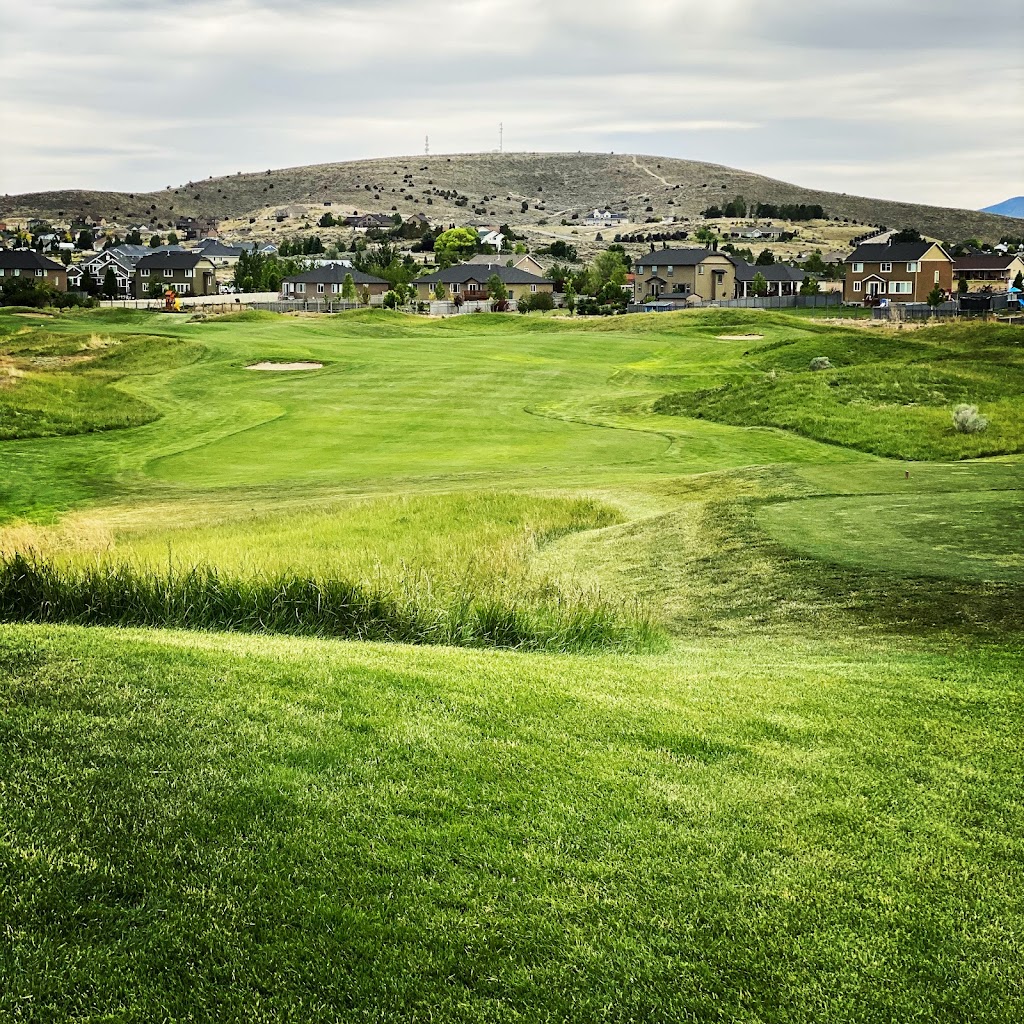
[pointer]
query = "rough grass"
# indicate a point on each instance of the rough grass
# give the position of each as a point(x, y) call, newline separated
point(887, 394)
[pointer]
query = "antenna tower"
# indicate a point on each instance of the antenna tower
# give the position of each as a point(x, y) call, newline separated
point(501, 137)
point(426, 146)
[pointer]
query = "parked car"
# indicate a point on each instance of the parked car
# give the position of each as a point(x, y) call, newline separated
point(228, 289)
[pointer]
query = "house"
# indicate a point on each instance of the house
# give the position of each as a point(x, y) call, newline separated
point(900, 272)
point(327, 282)
point(684, 276)
point(29, 263)
point(495, 239)
point(780, 278)
point(366, 221)
point(122, 259)
point(520, 261)
point(764, 233)
point(605, 218)
point(996, 271)
point(187, 273)
point(469, 280)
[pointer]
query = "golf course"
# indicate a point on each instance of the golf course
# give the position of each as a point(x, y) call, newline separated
point(499, 668)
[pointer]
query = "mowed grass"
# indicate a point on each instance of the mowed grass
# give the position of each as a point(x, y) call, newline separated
point(801, 804)
point(245, 829)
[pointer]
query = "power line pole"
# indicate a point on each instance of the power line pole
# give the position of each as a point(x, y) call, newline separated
point(426, 146)
point(501, 136)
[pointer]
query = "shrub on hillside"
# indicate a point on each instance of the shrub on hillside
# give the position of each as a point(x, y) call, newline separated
point(821, 363)
point(967, 420)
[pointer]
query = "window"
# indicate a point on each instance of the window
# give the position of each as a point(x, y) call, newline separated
point(16, 272)
point(913, 268)
point(300, 287)
point(654, 271)
point(936, 277)
point(900, 288)
point(856, 286)
point(669, 270)
point(144, 273)
point(533, 287)
point(335, 288)
point(700, 269)
point(511, 294)
point(40, 273)
point(886, 268)
point(2, 271)
point(188, 273)
point(320, 289)
point(858, 268)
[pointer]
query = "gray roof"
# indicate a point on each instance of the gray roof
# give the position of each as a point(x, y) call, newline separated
point(213, 247)
point(775, 272)
point(334, 274)
point(26, 259)
point(679, 257)
point(903, 252)
point(164, 259)
point(481, 272)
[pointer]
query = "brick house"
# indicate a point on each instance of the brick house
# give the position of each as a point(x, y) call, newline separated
point(29, 263)
point(901, 272)
point(188, 273)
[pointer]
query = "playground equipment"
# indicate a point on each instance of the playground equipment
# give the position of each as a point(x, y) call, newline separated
point(171, 303)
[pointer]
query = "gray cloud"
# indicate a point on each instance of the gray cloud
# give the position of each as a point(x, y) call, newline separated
point(889, 97)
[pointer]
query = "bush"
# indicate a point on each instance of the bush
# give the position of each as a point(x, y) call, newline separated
point(821, 363)
point(539, 301)
point(967, 420)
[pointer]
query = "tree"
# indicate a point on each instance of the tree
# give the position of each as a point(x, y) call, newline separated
point(110, 283)
point(86, 239)
point(706, 236)
point(563, 251)
point(348, 288)
point(936, 297)
point(810, 286)
point(963, 287)
point(759, 286)
point(155, 290)
point(364, 295)
point(607, 268)
point(1018, 281)
point(390, 299)
point(133, 237)
point(570, 300)
point(905, 236)
point(455, 245)
point(172, 238)
point(815, 264)
point(327, 220)
point(497, 293)
point(765, 258)
point(155, 242)
point(440, 291)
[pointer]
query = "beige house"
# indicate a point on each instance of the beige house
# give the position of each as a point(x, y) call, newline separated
point(901, 272)
point(328, 282)
point(469, 281)
point(995, 271)
point(29, 263)
point(188, 273)
point(519, 262)
point(684, 275)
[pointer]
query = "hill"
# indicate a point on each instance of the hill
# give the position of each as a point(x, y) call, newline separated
point(1010, 208)
point(494, 187)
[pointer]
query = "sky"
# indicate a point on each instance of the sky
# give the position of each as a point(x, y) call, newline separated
point(914, 100)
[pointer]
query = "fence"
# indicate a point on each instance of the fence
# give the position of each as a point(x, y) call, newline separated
point(963, 306)
point(826, 299)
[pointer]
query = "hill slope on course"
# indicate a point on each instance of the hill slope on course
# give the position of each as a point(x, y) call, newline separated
point(552, 184)
point(800, 804)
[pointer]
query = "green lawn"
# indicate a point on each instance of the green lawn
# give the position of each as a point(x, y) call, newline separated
point(798, 802)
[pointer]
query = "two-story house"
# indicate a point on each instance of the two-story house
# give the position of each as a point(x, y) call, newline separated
point(901, 272)
point(31, 264)
point(682, 276)
point(188, 273)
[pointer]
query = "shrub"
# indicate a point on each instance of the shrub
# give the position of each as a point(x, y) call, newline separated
point(821, 363)
point(967, 420)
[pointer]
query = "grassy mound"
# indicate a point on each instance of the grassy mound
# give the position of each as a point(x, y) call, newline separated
point(884, 394)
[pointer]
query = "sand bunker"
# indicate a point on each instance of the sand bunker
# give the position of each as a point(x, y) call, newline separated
point(740, 337)
point(286, 366)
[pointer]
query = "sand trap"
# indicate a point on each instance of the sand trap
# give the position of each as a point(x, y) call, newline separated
point(286, 366)
point(740, 337)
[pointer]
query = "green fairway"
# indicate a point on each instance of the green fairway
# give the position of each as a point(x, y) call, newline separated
point(772, 776)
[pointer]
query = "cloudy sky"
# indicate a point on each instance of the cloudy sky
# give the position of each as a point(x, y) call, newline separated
point(919, 100)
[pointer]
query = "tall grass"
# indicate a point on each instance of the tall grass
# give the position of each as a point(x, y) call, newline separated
point(203, 597)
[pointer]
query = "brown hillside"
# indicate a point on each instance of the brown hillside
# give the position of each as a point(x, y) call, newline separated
point(493, 187)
